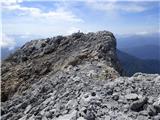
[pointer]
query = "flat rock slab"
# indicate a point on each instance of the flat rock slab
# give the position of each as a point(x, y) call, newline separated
point(131, 96)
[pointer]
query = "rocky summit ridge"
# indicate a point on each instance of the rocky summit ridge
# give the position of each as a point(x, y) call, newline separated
point(75, 77)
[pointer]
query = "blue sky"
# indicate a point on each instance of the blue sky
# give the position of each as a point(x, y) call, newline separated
point(37, 19)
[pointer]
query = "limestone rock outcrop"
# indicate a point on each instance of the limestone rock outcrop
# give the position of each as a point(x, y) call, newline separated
point(39, 57)
point(75, 77)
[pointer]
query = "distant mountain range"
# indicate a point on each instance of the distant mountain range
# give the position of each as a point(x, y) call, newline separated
point(141, 46)
point(131, 64)
point(139, 53)
point(131, 41)
point(144, 52)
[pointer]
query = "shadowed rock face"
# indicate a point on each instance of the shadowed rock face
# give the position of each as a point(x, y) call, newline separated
point(75, 77)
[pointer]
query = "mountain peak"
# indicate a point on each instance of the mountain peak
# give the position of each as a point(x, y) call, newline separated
point(75, 77)
point(39, 57)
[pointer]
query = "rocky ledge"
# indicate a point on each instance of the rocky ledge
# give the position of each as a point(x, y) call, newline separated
point(76, 77)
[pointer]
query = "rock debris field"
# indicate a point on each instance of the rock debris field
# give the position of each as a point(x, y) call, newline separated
point(87, 86)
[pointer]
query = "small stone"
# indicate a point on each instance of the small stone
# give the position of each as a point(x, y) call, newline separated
point(32, 117)
point(140, 96)
point(24, 105)
point(81, 118)
point(157, 117)
point(42, 112)
point(115, 97)
point(112, 104)
point(131, 96)
point(138, 105)
point(157, 105)
point(90, 115)
point(117, 89)
point(38, 117)
point(86, 95)
point(44, 118)
point(27, 109)
point(93, 94)
point(126, 108)
point(107, 117)
point(110, 91)
point(71, 104)
point(150, 100)
point(48, 115)
point(68, 116)
point(122, 100)
point(144, 113)
point(121, 118)
point(23, 118)
point(141, 117)
point(76, 79)
point(151, 110)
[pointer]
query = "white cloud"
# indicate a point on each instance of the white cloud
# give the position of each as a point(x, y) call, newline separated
point(22, 9)
point(7, 41)
point(142, 33)
point(132, 8)
point(72, 30)
point(58, 14)
point(54, 21)
point(110, 6)
point(9, 2)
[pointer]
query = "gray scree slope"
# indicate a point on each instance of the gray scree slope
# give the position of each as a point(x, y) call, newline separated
point(75, 77)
